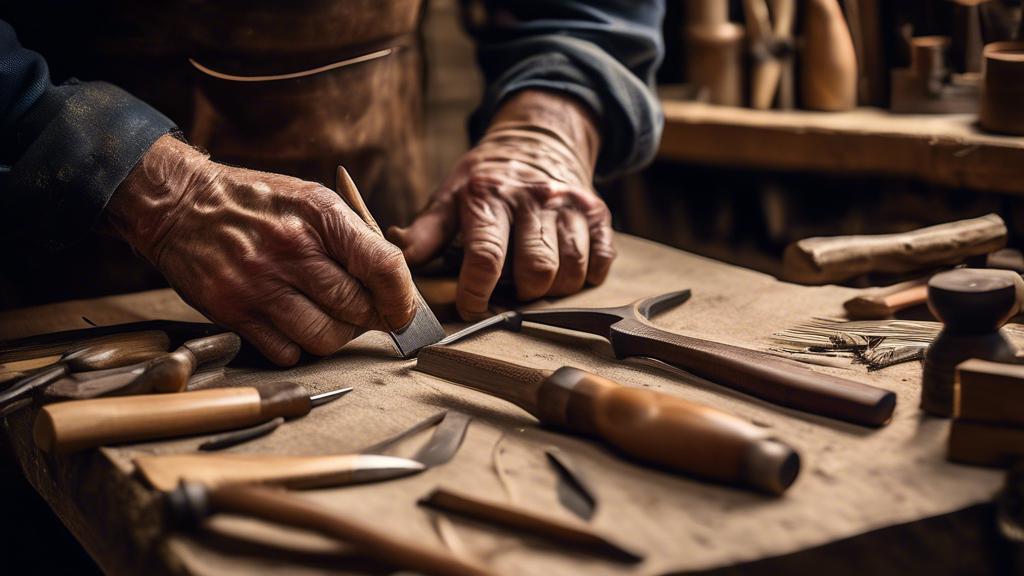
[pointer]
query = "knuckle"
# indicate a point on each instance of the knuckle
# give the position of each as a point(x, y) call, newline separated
point(485, 256)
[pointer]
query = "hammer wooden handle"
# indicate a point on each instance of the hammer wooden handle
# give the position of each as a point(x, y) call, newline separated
point(777, 380)
point(71, 426)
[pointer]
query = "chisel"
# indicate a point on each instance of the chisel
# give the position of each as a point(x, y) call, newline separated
point(71, 426)
point(424, 329)
point(655, 427)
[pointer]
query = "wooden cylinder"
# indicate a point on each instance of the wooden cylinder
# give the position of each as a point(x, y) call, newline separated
point(715, 52)
point(1002, 90)
point(828, 67)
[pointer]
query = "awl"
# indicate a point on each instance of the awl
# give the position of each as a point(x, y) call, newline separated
point(424, 329)
point(79, 424)
point(655, 427)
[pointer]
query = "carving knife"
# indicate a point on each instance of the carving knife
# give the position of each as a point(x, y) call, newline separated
point(648, 425)
point(424, 329)
point(79, 424)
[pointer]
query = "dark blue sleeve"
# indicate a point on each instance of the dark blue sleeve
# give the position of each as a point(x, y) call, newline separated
point(63, 149)
point(604, 52)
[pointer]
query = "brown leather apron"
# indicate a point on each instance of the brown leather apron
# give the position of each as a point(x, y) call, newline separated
point(365, 115)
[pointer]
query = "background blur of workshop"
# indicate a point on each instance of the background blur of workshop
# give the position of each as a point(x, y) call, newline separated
point(784, 120)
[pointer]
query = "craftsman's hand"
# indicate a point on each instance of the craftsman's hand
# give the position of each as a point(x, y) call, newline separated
point(283, 262)
point(529, 178)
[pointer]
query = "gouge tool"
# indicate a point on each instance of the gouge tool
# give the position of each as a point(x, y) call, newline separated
point(79, 424)
point(778, 380)
point(653, 427)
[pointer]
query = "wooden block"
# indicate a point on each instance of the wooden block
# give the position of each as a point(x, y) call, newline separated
point(991, 392)
point(984, 444)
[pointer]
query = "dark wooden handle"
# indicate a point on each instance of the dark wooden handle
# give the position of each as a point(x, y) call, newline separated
point(216, 350)
point(777, 380)
point(679, 434)
point(282, 508)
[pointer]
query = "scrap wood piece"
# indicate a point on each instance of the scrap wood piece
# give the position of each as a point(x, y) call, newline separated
point(556, 530)
point(826, 260)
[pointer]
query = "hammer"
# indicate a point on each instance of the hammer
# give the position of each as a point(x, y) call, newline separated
point(778, 380)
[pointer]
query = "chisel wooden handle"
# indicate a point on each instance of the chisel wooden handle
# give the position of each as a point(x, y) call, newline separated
point(71, 426)
point(649, 425)
point(777, 380)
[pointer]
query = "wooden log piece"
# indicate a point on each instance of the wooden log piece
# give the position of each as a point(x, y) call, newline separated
point(825, 260)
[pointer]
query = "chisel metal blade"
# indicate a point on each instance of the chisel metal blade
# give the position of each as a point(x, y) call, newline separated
point(424, 330)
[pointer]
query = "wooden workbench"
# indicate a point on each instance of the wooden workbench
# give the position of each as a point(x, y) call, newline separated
point(853, 481)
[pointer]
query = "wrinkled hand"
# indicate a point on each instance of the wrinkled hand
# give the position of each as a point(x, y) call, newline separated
point(528, 183)
point(283, 262)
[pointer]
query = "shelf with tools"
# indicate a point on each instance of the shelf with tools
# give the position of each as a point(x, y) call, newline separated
point(941, 149)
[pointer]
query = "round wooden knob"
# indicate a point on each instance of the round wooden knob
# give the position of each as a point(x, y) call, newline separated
point(972, 301)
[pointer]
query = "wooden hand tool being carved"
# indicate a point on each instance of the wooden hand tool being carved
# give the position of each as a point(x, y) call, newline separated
point(778, 380)
point(828, 260)
point(71, 426)
point(108, 352)
point(192, 503)
point(424, 329)
point(654, 427)
point(166, 373)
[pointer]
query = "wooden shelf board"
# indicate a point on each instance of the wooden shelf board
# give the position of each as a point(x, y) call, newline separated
point(946, 150)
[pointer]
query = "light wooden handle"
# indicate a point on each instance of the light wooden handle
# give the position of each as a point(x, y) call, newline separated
point(673, 432)
point(70, 426)
point(280, 507)
point(211, 470)
point(346, 188)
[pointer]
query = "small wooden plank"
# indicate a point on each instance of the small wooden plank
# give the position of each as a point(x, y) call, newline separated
point(946, 150)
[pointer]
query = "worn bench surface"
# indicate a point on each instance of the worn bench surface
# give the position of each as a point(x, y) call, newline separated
point(854, 480)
